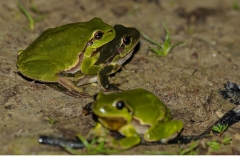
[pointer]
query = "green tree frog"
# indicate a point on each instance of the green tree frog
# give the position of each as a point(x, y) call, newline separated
point(136, 114)
point(60, 55)
point(111, 57)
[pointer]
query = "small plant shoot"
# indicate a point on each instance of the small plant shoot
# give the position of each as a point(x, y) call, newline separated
point(162, 49)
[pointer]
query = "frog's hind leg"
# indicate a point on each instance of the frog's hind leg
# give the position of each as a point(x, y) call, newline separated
point(87, 80)
point(70, 80)
point(62, 89)
point(40, 70)
point(163, 131)
point(70, 85)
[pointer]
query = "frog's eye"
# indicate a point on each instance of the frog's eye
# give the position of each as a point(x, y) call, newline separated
point(120, 105)
point(98, 35)
point(127, 40)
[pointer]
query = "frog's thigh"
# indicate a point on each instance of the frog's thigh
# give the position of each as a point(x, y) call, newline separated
point(163, 131)
point(42, 70)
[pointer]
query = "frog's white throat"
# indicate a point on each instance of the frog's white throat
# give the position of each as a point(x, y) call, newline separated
point(140, 128)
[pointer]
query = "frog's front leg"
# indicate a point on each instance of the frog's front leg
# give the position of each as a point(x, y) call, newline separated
point(131, 137)
point(88, 66)
point(163, 131)
point(103, 78)
point(101, 133)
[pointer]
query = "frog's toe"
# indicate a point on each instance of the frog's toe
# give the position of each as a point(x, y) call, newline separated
point(112, 87)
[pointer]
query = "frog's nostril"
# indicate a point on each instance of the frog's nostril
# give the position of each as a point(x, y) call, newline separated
point(103, 109)
point(110, 31)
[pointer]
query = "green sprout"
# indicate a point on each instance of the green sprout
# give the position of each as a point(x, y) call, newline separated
point(226, 140)
point(214, 145)
point(236, 6)
point(191, 149)
point(28, 16)
point(220, 128)
point(51, 121)
point(92, 148)
point(24, 11)
point(162, 49)
point(33, 7)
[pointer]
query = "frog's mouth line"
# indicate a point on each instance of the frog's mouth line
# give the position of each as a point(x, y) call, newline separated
point(123, 59)
point(113, 123)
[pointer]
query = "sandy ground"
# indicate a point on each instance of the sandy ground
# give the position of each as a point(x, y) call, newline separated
point(187, 80)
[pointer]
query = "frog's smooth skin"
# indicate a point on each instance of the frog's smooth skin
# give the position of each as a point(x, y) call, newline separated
point(134, 114)
point(61, 54)
point(111, 57)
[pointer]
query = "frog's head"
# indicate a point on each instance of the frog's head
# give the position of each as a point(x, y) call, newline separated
point(121, 47)
point(101, 32)
point(111, 111)
point(127, 40)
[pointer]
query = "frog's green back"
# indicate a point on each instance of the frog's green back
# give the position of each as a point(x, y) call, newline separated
point(58, 49)
point(62, 43)
point(146, 106)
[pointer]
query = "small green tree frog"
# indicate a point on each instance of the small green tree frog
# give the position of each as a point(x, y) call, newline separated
point(111, 57)
point(60, 55)
point(136, 114)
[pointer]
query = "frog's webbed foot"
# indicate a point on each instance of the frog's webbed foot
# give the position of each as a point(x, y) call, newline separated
point(111, 87)
point(103, 80)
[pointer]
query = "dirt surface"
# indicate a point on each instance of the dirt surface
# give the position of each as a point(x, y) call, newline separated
point(187, 80)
